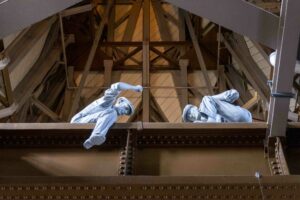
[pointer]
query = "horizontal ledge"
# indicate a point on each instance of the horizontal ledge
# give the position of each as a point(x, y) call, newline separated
point(134, 125)
point(151, 180)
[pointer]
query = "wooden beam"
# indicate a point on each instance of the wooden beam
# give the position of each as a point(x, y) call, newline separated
point(237, 46)
point(128, 56)
point(122, 19)
point(19, 48)
point(198, 53)
point(181, 28)
point(111, 30)
point(3, 100)
point(183, 63)
point(49, 58)
point(163, 27)
point(50, 98)
point(90, 59)
point(68, 98)
point(235, 80)
point(265, 56)
point(132, 20)
point(108, 66)
point(221, 78)
point(76, 10)
point(249, 104)
point(165, 56)
point(45, 109)
point(7, 86)
point(146, 60)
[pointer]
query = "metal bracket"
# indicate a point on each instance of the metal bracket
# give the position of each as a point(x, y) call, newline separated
point(270, 83)
point(279, 94)
point(283, 94)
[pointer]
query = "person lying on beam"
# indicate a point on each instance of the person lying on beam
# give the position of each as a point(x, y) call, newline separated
point(217, 108)
point(105, 111)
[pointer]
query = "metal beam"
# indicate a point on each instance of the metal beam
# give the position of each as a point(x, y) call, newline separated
point(237, 15)
point(151, 187)
point(16, 135)
point(16, 15)
point(288, 38)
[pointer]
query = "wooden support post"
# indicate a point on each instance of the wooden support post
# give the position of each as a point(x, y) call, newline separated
point(181, 28)
point(90, 60)
point(183, 63)
point(164, 29)
point(7, 86)
point(68, 94)
point(111, 30)
point(198, 53)
point(222, 80)
point(161, 21)
point(131, 22)
point(108, 65)
point(146, 60)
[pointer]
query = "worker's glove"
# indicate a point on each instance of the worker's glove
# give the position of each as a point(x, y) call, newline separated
point(138, 88)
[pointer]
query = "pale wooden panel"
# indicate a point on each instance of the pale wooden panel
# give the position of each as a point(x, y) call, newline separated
point(196, 79)
point(121, 10)
point(166, 98)
point(19, 71)
point(258, 58)
point(94, 79)
point(173, 11)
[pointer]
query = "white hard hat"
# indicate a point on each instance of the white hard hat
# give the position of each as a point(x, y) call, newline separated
point(121, 100)
point(272, 58)
point(185, 111)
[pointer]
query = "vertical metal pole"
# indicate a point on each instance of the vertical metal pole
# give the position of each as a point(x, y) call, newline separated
point(287, 46)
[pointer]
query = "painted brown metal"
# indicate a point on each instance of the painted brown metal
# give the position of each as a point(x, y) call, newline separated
point(53, 135)
point(222, 187)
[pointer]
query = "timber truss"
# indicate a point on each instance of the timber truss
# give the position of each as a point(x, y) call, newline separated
point(156, 160)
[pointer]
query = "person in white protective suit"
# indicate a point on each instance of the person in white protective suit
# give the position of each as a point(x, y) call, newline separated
point(217, 108)
point(104, 112)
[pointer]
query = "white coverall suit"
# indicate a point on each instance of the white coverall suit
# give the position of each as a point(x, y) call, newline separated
point(101, 112)
point(219, 108)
